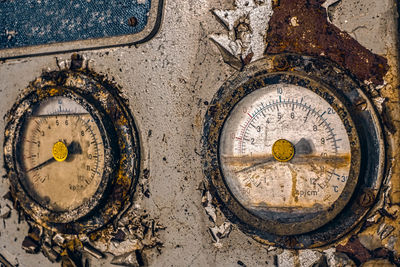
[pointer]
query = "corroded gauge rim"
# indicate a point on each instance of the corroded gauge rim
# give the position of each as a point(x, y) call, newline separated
point(366, 142)
point(121, 149)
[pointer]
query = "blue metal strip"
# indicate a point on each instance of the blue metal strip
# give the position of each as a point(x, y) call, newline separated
point(37, 22)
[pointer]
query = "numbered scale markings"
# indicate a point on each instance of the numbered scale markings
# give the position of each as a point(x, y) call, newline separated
point(62, 154)
point(316, 142)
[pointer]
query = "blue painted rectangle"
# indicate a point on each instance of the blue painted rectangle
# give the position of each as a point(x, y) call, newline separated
point(37, 22)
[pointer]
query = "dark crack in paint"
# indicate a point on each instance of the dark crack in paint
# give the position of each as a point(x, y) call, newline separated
point(301, 26)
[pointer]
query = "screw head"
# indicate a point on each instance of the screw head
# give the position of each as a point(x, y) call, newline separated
point(367, 198)
point(132, 21)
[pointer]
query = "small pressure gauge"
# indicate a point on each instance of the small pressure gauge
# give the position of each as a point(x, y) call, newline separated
point(62, 154)
point(286, 150)
point(71, 152)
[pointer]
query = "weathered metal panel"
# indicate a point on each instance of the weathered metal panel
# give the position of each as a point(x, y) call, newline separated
point(169, 82)
point(37, 27)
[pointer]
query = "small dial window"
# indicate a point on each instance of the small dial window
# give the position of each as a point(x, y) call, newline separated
point(62, 154)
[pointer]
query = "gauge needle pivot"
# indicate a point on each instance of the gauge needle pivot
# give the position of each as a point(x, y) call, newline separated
point(60, 153)
point(283, 150)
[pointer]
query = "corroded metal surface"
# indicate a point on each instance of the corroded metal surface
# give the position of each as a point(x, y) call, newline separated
point(301, 26)
point(94, 228)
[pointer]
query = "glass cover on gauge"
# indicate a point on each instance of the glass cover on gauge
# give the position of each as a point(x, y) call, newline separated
point(284, 149)
point(61, 154)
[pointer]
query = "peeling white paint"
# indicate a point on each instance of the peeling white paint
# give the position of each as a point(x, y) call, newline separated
point(294, 22)
point(327, 4)
point(378, 101)
point(219, 232)
point(210, 209)
point(247, 26)
point(384, 230)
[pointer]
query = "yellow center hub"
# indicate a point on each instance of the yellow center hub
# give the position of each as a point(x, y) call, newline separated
point(283, 150)
point(60, 151)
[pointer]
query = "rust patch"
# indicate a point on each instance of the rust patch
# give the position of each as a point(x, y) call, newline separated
point(360, 254)
point(355, 250)
point(313, 35)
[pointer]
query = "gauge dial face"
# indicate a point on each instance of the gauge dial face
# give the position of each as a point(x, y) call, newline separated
point(61, 154)
point(284, 149)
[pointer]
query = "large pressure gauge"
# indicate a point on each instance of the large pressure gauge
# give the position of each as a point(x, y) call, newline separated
point(284, 150)
point(289, 152)
point(71, 151)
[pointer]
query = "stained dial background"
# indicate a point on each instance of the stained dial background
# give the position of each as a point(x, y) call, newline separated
point(68, 184)
point(318, 172)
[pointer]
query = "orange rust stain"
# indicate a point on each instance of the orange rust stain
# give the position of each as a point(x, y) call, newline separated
point(122, 179)
point(293, 196)
point(74, 244)
point(53, 91)
point(248, 161)
point(122, 121)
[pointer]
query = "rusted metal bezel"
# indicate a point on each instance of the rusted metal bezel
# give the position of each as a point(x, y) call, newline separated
point(330, 82)
point(120, 140)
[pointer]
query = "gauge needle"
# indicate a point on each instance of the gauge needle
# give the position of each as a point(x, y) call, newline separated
point(73, 148)
point(303, 147)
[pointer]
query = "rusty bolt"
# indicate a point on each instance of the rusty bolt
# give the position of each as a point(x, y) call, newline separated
point(275, 3)
point(132, 21)
point(361, 104)
point(290, 241)
point(280, 63)
point(367, 198)
point(76, 62)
